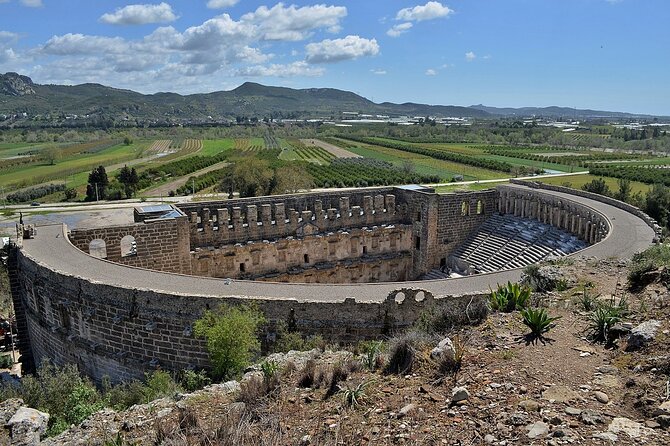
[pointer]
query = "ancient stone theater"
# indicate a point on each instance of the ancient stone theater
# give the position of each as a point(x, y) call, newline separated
point(348, 265)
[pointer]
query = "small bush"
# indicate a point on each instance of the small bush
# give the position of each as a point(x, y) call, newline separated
point(125, 395)
point(231, 335)
point(60, 391)
point(270, 370)
point(293, 340)
point(191, 380)
point(6, 361)
point(159, 384)
point(509, 298)
point(444, 318)
point(538, 320)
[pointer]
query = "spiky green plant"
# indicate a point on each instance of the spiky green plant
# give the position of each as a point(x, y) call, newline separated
point(372, 351)
point(510, 297)
point(538, 320)
point(606, 315)
point(354, 396)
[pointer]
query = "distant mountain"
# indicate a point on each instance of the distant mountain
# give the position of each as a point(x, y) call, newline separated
point(555, 112)
point(22, 102)
point(18, 95)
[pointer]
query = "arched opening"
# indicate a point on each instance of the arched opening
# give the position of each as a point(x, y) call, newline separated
point(98, 248)
point(399, 297)
point(128, 246)
point(480, 207)
point(306, 258)
point(420, 296)
point(465, 208)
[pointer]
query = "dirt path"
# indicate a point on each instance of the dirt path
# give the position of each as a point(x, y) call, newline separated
point(164, 189)
point(339, 152)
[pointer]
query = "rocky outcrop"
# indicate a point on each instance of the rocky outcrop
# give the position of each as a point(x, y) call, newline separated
point(23, 426)
point(13, 84)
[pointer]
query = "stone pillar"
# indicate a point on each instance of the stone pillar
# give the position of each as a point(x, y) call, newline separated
point(368, 210)
point(280, 219)
point(207, 229)
point(266, 215)
point(319, 214)
point(389, 203)
point(379, 204)
point(252, 220)
point(332, 218)
point(344, 211)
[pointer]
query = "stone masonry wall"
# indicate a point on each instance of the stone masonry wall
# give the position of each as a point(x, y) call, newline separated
point(161, 244)
point(123, 332)
point(320, 252)
point(269, 218)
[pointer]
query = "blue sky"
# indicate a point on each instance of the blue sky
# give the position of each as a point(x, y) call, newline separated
point(601, 54)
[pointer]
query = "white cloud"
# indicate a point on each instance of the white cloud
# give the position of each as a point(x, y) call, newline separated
point(431, 72)
point(32, 3)
point(299, 68)
point(75, 44)
point(293, 23)
point(401, 28)
point(218, 4)
point(350, 47)
point(140, 14)
point(429, 11)
point(470, 56)
point(378, 72)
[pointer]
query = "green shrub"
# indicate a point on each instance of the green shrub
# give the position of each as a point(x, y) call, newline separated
point(125, 395)
point(293, 340)
point(60, 391)
point(509, 298)
point(231, 336)
point(270, 369)
point(538, 320)
point(6, 361)
point(160, 384)
point(191, 380)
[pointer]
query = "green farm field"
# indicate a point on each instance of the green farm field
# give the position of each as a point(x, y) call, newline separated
point(38, 173)
point(425, 164)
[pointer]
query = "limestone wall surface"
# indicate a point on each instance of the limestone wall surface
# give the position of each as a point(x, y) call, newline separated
point(123, 332)
point(161, 245)
point(318, 256)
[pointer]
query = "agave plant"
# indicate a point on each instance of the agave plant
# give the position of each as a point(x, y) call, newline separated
point(538, 320)
point(509, 297)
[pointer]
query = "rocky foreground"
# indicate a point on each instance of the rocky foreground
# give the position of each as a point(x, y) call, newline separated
point(563, 389)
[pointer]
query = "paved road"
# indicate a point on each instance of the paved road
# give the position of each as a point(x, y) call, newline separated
point(629, 234)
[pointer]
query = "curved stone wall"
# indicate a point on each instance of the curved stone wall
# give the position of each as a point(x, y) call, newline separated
point(119, 320)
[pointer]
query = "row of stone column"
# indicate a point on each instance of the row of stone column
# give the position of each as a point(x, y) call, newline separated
point(232, 224)
point(572, 217)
